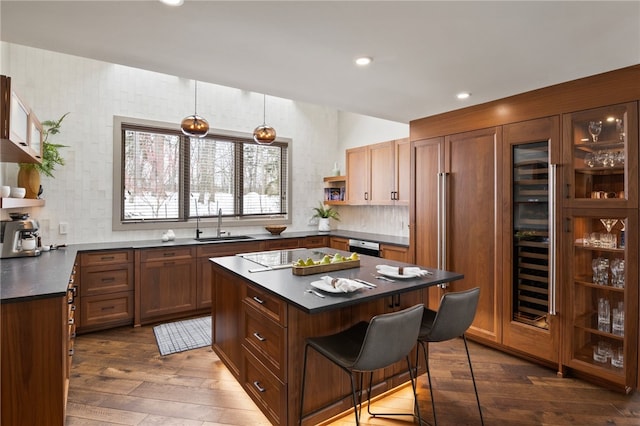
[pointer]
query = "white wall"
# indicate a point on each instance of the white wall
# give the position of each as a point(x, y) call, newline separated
point(93, 92)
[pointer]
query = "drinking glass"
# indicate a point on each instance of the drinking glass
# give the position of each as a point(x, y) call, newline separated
point(609, 224)
point(589, 159)
point(617, 326)
point(595, 127)
point(604, 315)
point(601, 352)
point(617, 357)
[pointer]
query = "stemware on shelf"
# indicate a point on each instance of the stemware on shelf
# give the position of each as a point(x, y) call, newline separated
point(595, 127)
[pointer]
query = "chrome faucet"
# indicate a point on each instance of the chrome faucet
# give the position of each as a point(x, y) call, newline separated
point(218, 231)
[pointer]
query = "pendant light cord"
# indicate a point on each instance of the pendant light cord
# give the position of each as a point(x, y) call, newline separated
point(195, 106)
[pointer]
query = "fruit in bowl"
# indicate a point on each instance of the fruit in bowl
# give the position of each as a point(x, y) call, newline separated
point(275, 229)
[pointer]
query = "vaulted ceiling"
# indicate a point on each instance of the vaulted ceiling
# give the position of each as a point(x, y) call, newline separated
point(424, 52)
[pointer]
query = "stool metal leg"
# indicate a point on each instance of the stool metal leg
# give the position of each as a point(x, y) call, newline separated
point(426, 361)
point(473, 379)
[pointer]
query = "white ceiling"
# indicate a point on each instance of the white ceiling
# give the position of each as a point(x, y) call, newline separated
point(424, 52)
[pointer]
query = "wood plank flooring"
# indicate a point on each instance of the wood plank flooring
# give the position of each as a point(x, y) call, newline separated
point(119, 378)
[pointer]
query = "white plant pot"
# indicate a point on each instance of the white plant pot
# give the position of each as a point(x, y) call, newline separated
point(323, 224)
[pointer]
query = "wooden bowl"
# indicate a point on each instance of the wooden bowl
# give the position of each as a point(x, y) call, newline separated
point(275, 229)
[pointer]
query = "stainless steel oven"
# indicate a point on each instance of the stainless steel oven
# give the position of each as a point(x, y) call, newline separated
point(364, 247)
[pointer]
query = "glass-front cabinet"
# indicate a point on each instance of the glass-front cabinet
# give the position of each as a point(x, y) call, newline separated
point(599, 146)
point(602, 304)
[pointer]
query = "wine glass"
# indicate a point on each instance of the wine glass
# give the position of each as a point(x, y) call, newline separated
point(609, 224)
point(595, 127)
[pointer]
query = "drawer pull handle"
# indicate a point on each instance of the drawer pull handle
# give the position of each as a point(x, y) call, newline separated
point(107, 258)
point(258, 386)
point(259, 337)
point(257, 299)
point(168, 254)
point(169, 263)
point(108, 279)
point(105, 308)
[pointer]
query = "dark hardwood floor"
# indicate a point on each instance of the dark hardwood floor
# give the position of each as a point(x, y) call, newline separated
point(119, 378)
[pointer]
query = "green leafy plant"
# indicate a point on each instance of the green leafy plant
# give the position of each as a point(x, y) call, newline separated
point(326, 212)
point(50, 151)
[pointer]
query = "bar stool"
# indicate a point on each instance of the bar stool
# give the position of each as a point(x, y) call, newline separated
point(366, 347)
point(452, 320)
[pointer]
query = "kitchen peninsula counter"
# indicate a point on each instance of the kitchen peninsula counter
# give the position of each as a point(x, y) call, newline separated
point(262, 319)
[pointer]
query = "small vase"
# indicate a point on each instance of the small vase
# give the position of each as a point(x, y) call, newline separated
point(323, 224)
point(29, 179)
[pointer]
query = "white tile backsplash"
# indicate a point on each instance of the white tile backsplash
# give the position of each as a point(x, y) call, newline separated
point(93, 92)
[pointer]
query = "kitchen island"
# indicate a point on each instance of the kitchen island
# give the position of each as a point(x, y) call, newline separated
point(261, 320)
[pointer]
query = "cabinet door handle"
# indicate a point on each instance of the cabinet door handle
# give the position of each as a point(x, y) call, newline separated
point(71, 352)
point(71, 321)
point(257, 299)
point(258, 386)
point(259, 337)
point(366, 196)
point(553, 168)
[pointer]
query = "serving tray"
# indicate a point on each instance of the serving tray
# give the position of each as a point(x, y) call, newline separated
point(325, 267)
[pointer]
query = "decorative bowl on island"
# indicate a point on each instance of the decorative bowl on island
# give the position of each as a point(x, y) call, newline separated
point(275, 229)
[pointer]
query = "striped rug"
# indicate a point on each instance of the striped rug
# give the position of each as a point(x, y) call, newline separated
point(181, 336)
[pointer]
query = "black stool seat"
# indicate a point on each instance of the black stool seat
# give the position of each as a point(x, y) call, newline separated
point(366, 347)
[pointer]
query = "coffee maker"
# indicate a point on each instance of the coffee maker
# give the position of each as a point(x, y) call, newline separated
point(18, 238)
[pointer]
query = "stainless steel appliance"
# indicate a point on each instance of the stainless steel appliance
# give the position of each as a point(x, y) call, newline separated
point(18, 238)
point(364, 247)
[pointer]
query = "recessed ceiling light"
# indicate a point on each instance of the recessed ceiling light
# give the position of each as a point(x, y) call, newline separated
point(363, 61)
point(463, 95)
point(173, 2)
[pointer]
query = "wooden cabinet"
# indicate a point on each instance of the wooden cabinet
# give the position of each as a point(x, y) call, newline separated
point(166, 286)
point(204, 295)
point(458, 217)
point(106, 289)
point(37, 349)
point(601, 327)
point(264, 352)
point(316, 241)
point(391, 252)
point(531, 283)
point(339, 243)
point(20, 129)
point(284, 244)
point(379, 174)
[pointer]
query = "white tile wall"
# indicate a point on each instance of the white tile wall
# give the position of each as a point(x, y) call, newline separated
point(93, 92)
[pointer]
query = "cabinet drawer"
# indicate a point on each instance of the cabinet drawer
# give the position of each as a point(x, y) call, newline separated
point(264, 388)
point(268, 305)
point(266, 340)
point(287, 243)
point(106, 279)
point(149, 255)
point(229, 249)
point(311, 242)
point(115, 308)
point(105, 257)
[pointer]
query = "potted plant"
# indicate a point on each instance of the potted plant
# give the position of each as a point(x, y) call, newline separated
point(29, 173)
point(324, 213)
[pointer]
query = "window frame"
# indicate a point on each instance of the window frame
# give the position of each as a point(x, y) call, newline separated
point(118, 224)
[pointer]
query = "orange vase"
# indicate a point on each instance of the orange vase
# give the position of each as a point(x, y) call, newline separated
point(29, 179)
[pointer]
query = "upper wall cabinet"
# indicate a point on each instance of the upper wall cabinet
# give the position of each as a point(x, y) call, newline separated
point(20, 129)
point(378, 174)
point(601, 150)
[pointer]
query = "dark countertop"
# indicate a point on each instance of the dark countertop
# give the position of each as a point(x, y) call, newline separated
point(284, 284)
point(47, 275)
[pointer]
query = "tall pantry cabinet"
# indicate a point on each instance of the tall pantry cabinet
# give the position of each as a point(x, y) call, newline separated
point(542, 214)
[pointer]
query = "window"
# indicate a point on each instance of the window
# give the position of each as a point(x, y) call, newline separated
point(166, 176)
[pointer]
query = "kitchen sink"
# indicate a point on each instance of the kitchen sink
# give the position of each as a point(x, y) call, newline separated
point(224, 238)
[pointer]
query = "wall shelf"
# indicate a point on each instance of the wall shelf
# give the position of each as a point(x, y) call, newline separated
point(9, 203)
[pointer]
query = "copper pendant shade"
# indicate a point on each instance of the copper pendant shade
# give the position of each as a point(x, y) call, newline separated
point(194, 125)
point(263, 134)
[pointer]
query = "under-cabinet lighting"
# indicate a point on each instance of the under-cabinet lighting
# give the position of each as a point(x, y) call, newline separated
point(463, 95)
point(611, 119)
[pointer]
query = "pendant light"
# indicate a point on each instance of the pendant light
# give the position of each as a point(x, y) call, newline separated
point(194, 125)
point(263, 134)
